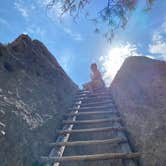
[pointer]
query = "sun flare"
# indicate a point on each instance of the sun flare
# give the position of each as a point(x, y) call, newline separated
point(112, 62)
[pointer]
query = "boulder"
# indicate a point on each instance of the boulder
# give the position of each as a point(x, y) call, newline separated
point(35, 93)
point(139, 90)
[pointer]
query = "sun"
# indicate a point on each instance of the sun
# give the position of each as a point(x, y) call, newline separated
point(112, 62)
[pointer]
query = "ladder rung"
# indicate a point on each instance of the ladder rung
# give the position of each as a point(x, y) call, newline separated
point(97, 107)
point(89, 98)
point(92, 121)
point(93, 112)
point(92, 130)
point(83, 91)
point(97, 103)
point(91, 142)
point(93, 95)
point(104, 156)
point(97, 92)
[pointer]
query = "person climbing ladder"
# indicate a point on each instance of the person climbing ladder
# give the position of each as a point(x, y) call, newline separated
point(96, 80)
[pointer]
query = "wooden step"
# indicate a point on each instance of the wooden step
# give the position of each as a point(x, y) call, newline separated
point(91, 113)
point(99, 103)
point(90, 142)
point(92, 98)
point(98, 91)
point(92, 130)
point(105, 101)
point(96, 107)
point(83, 91)
point(92, 121)
point(93, 95)
point(104, 156)
point(96, 103)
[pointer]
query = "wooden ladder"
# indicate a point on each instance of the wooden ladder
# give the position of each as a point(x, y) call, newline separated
point(97, 104)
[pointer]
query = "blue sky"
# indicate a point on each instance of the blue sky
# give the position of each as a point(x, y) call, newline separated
point(76, 46)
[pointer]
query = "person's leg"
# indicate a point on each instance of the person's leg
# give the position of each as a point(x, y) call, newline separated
point(97, 85)
point(87, 86)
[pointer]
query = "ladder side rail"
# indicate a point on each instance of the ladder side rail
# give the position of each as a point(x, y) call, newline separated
point(2, 112)
point(58, 152)
point(2, 124)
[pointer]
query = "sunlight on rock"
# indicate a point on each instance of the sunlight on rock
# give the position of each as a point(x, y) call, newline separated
point(112, 62)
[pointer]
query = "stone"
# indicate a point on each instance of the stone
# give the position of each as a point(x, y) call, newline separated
point(139, 91)
point(36, 93)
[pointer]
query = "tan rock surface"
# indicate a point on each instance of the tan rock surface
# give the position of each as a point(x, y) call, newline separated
point(139, 90)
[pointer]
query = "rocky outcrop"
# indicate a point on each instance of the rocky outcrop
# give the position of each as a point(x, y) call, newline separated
point(139, 90)
point(34, 94)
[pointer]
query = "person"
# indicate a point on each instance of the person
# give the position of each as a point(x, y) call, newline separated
point(96, 80)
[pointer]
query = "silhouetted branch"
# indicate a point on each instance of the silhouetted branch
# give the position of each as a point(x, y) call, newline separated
point(114, 15)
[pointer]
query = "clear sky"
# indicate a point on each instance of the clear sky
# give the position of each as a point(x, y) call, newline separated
point(76, 46)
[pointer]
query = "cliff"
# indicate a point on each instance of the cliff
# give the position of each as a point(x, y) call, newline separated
point(34, 94)
point(139, 90)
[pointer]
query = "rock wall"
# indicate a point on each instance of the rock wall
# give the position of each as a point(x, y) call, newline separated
point(34, 94)
point(139, 90)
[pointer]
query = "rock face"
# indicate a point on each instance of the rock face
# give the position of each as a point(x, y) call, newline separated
point(139, 90)
point(34, 94)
